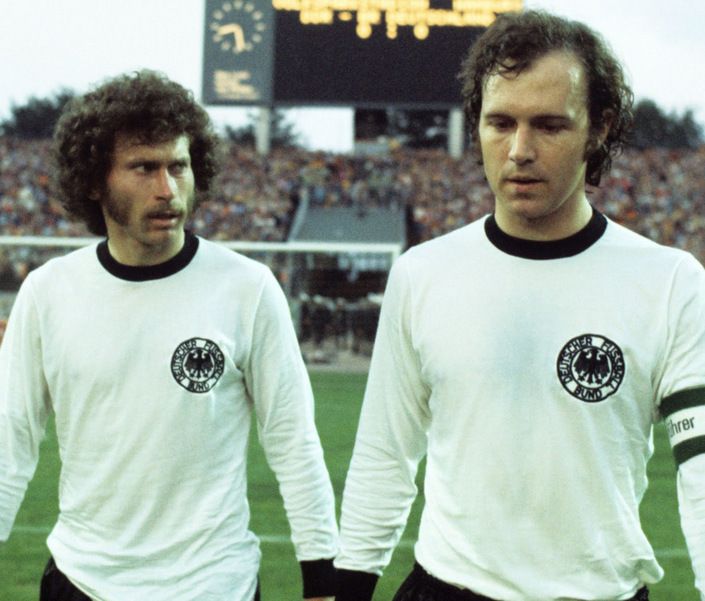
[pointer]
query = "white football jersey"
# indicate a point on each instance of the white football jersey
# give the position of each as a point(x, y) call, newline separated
point(530, 375)
point(152, 375)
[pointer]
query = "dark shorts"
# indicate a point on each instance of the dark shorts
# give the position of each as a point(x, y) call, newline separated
point(421, 586)
point(57, 587)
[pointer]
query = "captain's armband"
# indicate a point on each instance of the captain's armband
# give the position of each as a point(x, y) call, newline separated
point(684, 416)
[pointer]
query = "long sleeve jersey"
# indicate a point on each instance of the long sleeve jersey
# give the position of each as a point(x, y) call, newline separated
point(152, 374)
point(530, 374)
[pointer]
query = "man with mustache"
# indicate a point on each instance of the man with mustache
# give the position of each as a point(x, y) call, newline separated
point(528, 356)
point(151, 349)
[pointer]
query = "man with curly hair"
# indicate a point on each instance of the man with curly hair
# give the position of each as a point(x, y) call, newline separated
point(151, 349)
point(528, 356)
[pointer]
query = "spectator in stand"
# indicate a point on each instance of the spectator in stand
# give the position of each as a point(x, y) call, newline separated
point(655, 192)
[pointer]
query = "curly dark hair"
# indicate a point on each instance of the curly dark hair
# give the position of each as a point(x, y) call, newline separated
point(515, 40)
point(145, 105)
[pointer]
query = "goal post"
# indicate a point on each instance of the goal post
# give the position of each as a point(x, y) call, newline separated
point(329, 269)
point(245, 246)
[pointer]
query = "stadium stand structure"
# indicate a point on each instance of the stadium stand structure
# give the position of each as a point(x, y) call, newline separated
point(342, 310)
point(349, 224)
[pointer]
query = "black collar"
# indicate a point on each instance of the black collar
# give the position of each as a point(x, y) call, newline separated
point(149, 272)
point(550, 249)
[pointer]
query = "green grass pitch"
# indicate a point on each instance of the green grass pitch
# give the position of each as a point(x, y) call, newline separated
point(338, 400)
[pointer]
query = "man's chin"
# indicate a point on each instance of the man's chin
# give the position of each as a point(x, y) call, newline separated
point(527, 207)
point(161, 236)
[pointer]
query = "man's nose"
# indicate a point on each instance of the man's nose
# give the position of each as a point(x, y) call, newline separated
point(522, 149)
point(166, 184)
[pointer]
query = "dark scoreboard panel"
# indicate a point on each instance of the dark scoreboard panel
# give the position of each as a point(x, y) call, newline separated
point(341, 52)
point(332, 65)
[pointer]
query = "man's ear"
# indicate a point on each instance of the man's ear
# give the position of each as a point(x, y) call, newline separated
point(603, 132)
point(599, 134)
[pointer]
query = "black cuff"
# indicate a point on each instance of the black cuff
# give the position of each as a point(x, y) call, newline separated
point(355, 586)
point(318, 577)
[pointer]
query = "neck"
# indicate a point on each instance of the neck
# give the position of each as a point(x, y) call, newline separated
point(138, 254)
point(562, 223)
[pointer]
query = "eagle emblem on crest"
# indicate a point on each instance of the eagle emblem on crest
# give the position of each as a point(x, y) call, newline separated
point(197, 364)
point(591, 367)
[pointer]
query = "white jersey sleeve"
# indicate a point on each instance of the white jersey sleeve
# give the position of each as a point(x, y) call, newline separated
point(24, 406)
point(278, 384)
point(391, 439)
point(683, 406)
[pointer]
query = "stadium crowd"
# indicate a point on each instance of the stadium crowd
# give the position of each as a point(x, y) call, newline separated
point(659, 193)
point(656, 192)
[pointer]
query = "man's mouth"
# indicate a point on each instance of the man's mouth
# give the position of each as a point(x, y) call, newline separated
point(523, 184)
point(164, 218)
point(521, 179)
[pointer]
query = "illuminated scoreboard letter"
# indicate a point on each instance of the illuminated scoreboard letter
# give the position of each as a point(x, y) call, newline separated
point(238, 52)
point(376, 53)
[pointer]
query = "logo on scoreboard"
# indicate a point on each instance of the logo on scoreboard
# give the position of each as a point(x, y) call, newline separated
point(238, 26)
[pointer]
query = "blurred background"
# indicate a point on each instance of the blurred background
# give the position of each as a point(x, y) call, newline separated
point(345, 145)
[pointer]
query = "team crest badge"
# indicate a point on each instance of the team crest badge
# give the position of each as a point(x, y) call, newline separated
point(591, 367)
point(197, 364)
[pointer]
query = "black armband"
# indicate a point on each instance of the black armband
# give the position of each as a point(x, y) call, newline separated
point(684, 416)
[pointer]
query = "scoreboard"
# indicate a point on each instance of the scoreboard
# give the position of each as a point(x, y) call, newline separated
point(364, 53)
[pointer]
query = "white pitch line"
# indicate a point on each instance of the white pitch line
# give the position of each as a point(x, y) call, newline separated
point(32, 529)
point(275, 539)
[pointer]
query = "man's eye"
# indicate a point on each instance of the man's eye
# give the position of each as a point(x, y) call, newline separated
point(552, 128)
point(501, 125)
